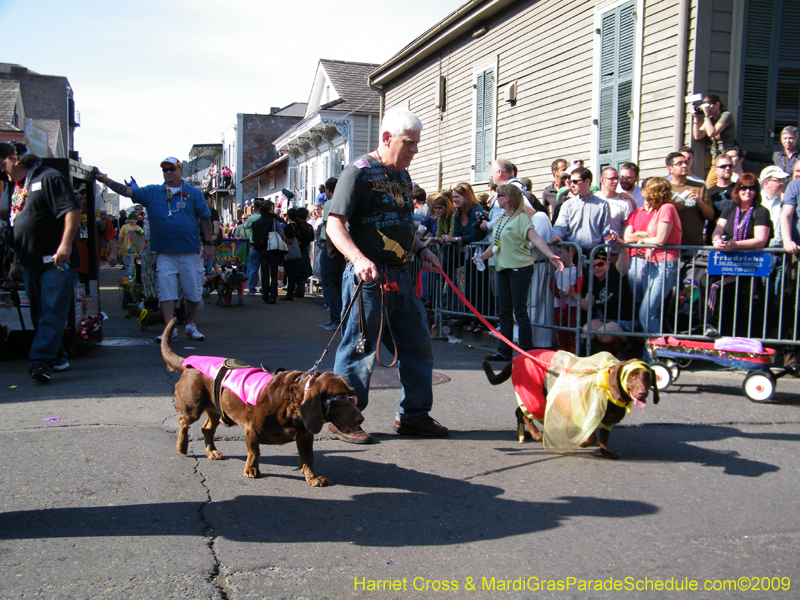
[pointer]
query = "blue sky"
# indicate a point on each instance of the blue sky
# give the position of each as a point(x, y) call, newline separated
point(152, 78)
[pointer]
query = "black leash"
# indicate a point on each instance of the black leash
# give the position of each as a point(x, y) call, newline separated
point(315, 368)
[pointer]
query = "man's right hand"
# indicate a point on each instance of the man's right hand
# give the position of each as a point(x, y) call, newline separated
point(366, 270)
point(790, 247)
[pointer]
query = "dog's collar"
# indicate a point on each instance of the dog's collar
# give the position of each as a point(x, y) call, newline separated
point(602, 382)
point(142, 316)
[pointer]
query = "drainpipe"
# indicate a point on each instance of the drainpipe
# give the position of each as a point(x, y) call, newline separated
point(680, 84)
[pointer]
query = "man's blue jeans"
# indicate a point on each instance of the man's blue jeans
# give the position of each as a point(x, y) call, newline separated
point(50, 293)
point(659, 279)
point(409, 326)
point(513, 286)
point(253, 264)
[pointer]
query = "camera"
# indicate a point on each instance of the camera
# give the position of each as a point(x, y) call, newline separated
point(482, 216)
point(698, 110)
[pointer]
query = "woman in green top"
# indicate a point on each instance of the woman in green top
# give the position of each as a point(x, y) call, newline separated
point(511, 240)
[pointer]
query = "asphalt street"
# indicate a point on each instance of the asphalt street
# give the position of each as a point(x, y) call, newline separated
point(99, 504)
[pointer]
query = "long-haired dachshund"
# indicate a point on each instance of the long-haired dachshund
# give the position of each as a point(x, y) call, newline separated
point(532, 381)
point(292, 406)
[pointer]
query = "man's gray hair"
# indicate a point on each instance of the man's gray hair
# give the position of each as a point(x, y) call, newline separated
point(398, 119)
point(791, 130)
point(506, 166)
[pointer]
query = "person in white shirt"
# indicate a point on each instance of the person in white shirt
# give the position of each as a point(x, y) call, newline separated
point(619, 205)
point(629, 183)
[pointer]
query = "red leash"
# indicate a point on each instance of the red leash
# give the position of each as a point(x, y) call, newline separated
point(499, 335)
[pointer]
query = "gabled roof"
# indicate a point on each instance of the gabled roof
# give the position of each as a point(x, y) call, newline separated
point(466, 20)
point(9, 94)
point(349, 81)
point(295, 109)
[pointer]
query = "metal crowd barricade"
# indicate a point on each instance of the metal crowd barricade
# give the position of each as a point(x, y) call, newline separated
point(701, 306)
point(698, 307)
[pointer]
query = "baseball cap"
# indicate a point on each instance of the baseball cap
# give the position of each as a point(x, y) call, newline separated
point(772, 171)
point(169, 162)
point(11, 148)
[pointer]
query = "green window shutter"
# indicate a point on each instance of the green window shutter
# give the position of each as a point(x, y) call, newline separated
point(484, 133)
point(617, 46)
point(755, 118)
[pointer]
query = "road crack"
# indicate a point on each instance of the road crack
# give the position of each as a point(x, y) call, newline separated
point(216, 578)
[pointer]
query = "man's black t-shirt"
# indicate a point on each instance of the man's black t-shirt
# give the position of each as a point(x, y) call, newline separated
point(38, 229)
point(379, 210)
point(721, 200)
point(607, 293)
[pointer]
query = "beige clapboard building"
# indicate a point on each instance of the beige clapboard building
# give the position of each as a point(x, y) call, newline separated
point(604, 80)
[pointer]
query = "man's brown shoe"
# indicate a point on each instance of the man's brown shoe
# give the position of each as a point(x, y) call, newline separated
point(351, 435)
point(427, 427)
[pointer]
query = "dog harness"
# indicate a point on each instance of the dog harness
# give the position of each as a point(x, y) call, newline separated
point(244, 381)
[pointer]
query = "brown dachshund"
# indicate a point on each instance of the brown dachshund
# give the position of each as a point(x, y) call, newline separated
point(147, 319)
point(639, 381)
point(293, 406)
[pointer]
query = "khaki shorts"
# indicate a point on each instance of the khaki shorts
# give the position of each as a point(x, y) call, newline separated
point(186, 268)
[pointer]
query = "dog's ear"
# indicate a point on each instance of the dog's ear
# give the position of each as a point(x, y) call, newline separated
point(654, 386)
point(311, 406)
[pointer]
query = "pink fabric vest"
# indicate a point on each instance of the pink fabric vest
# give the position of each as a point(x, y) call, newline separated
point(247, 384)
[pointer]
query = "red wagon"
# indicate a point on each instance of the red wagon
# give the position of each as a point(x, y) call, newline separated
point(758, 385)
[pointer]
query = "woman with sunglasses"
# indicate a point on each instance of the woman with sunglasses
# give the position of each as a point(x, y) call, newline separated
point(465, 229)
point(745, 225)
point(661, 270)
point(511, 239)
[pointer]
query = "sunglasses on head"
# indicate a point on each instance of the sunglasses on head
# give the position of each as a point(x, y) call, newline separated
point(170, 169)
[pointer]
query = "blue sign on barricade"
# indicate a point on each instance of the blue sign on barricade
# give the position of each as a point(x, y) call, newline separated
point(748, 264)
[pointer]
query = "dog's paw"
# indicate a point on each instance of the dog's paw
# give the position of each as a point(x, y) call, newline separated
point(214, 454)
point(251, 472)
point(318, 481)
point(610, 454)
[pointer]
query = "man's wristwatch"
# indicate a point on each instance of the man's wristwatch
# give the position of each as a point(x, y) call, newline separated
point(420, 251)
point(205, 243)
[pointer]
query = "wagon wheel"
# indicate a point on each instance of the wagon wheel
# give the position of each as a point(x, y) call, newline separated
point(663, 375)
point(759, 386)
point(674, 369)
